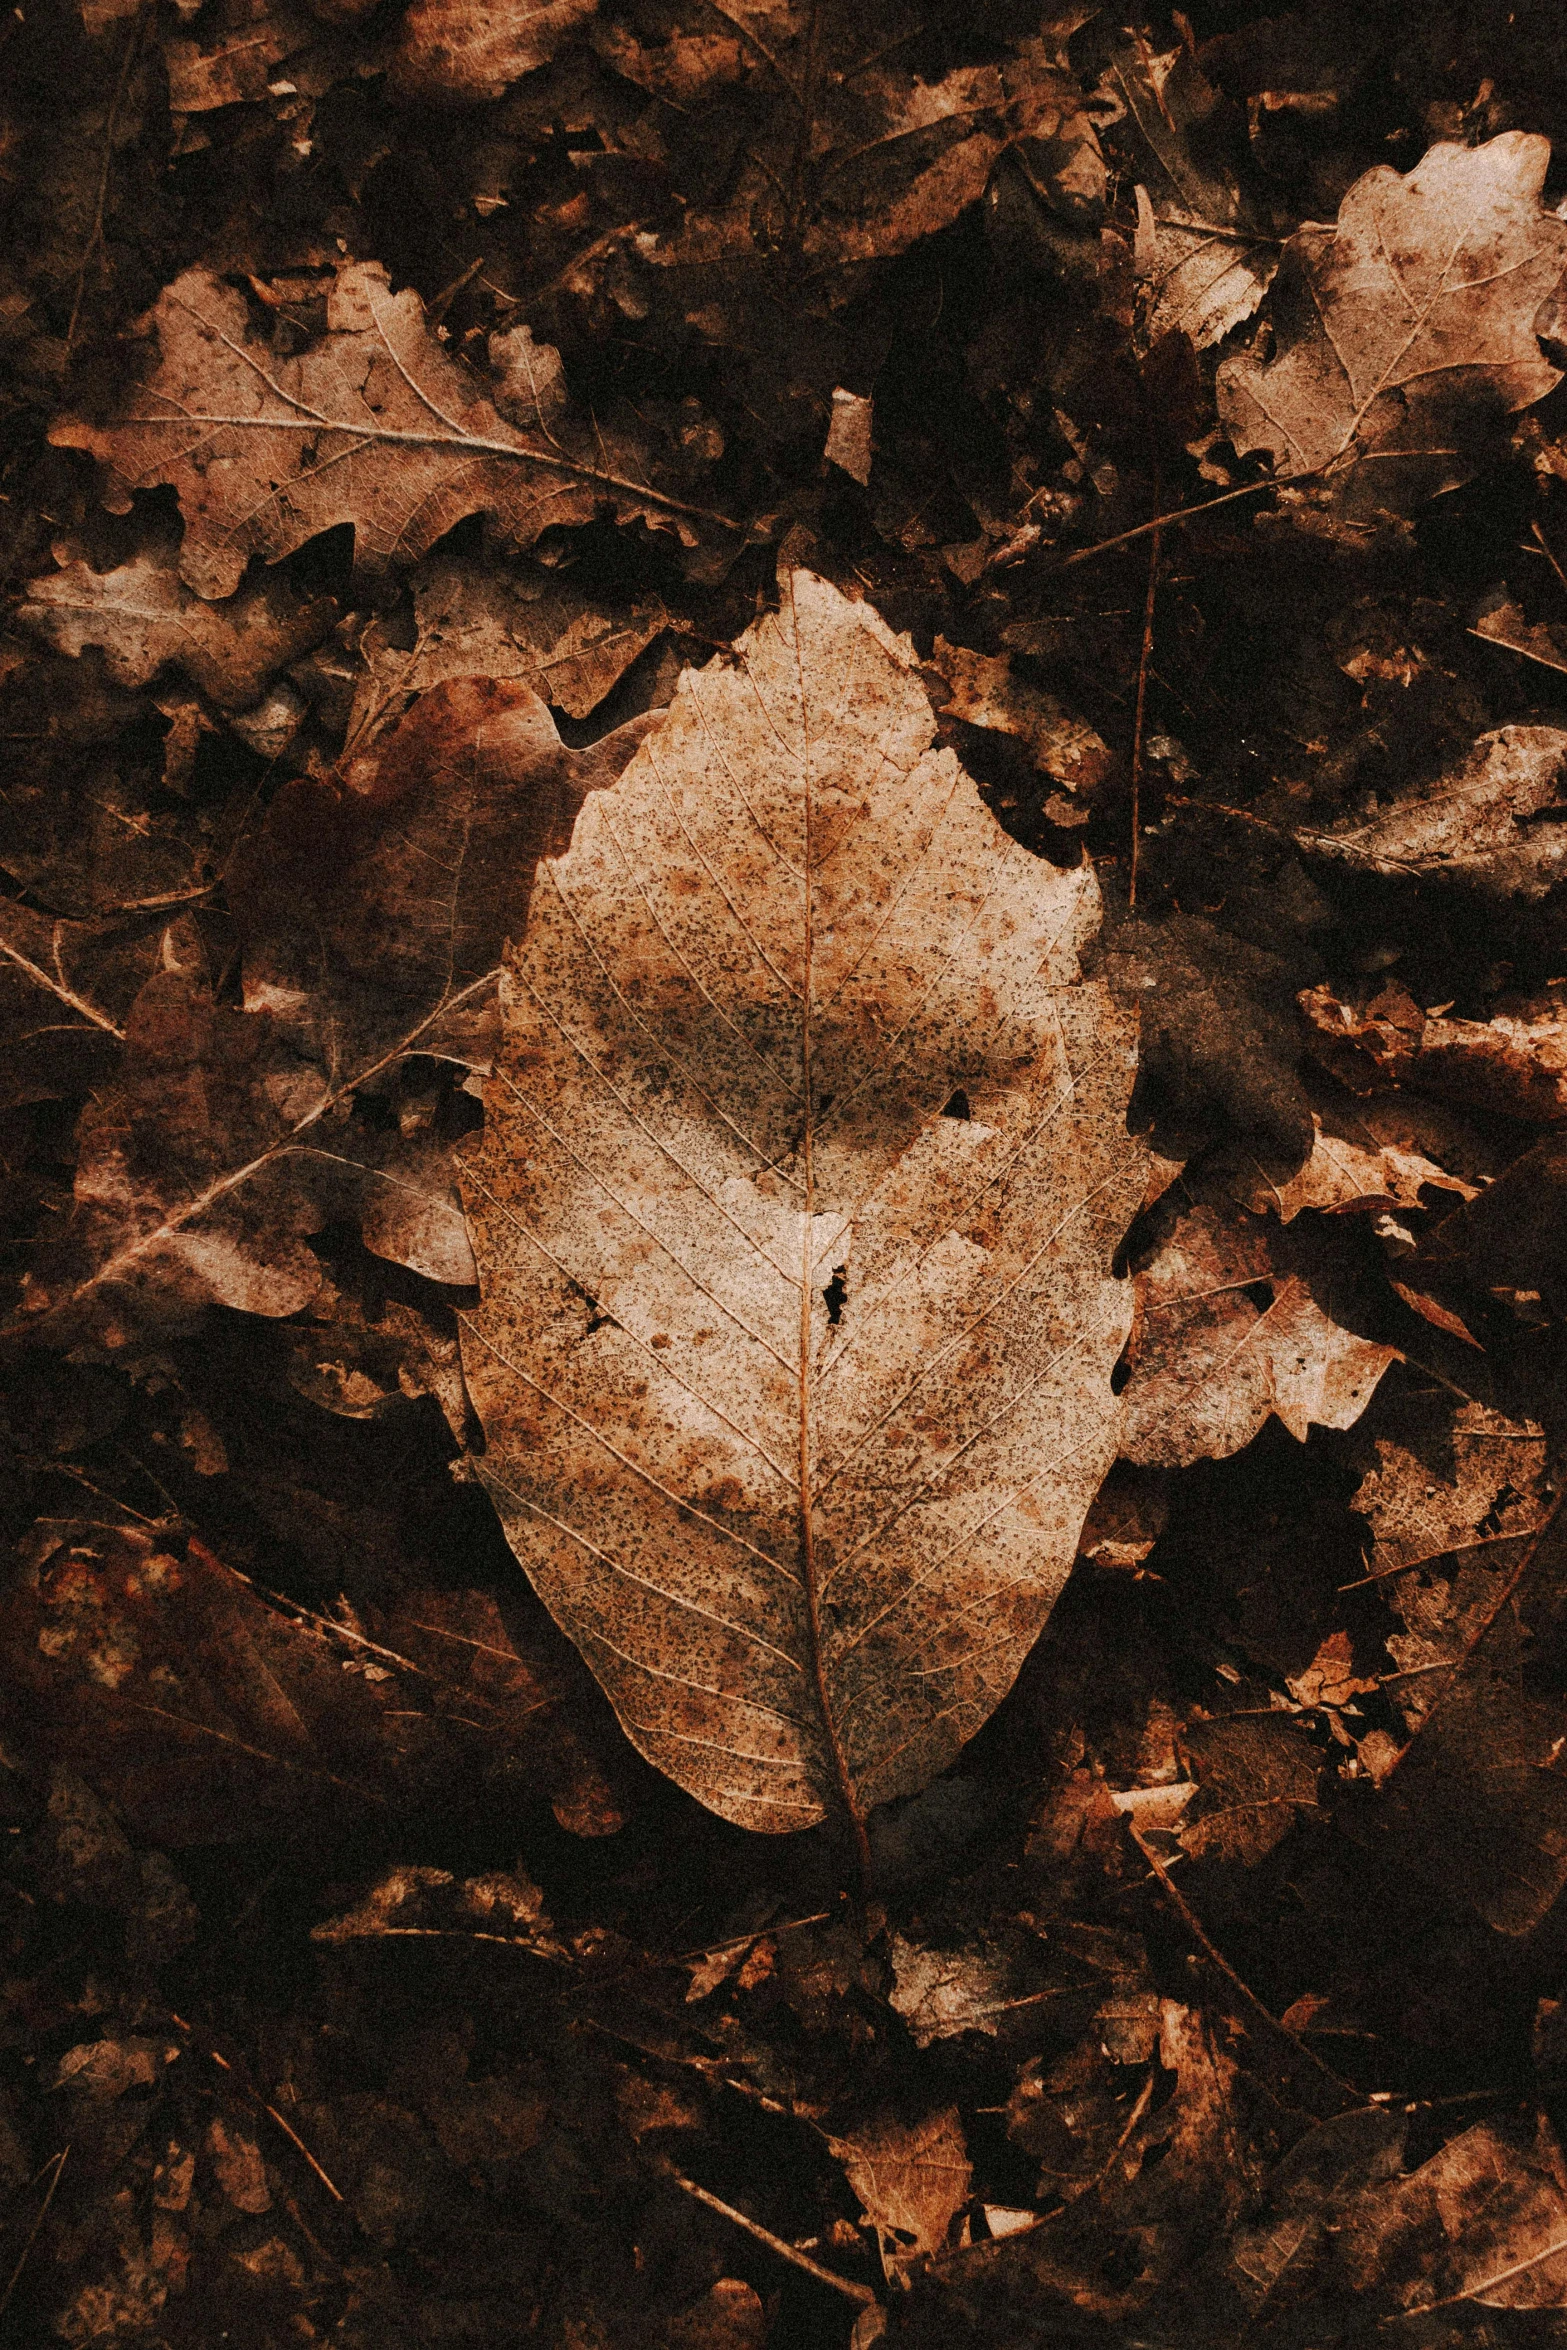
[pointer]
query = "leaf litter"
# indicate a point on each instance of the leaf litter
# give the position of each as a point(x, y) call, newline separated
point(472, 483)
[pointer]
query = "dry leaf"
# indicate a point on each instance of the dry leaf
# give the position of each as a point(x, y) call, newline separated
point(496, 623)
point(1406, 334)
point(373, 425)
point(447, 49)
point(1515, 1063)
point(1210, 1363)
point(143, 617)
point(1352, 1165)
point(912, 2179)
point(210, 1716)
point(1204, 257)
point(731, 1246)
point(1255, 1778)
point(1539, 640)
point(984, 692)
point(373, 909)
point(1494, 824)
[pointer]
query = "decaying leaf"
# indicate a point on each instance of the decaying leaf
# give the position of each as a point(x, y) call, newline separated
point(984, 692)
point(494, 623)
point(1205, 258)
point(373, 425)
point(1361, 1157)
point(879, 157)
point(913, 2180)
point(1406, 333)
point(447, 50)
point(1452, 1495)
point(1255, 1778)
point(206, 1712)
point(803, 1168)
point(143, 616)
point(1493, 825)
point(1211, 1360)
point(1514, 1063)
point(376, 906)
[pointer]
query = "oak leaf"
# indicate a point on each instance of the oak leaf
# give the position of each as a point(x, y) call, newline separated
point(373, 425)
point(142, 616)
point(795, 1389)
point(1406, 333)
point(1212, 1359)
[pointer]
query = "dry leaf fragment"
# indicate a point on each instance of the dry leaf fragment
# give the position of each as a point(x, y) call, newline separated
point(241, 2173)
point(912, 2179)
point(143, 616)
point(1485, 2219)
point(1539, 640)
point(984, 692)
point(1210, 1362)
point(1406, 333)
point(1494, 824)
point(1204, 258)
point(803, 1168)
point(447, 49)
point(1515, 1063)
point(374, 425)
point(1255, 1778)
point(1352, 1165)
point(849, 442)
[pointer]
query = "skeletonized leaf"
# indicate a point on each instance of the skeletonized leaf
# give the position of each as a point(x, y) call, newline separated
point(373, 425)
point(796, 1390)
point(1406, 333)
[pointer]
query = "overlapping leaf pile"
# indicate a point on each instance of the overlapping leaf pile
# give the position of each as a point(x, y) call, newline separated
point(782, 1045)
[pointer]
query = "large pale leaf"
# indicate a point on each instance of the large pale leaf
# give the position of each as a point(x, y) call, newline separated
point(796, 1389)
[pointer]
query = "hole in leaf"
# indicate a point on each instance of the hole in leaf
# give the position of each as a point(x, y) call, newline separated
point(835, 1295)
point(957, 1105)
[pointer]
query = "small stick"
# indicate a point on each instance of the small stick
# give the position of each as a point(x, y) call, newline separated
point(58, 2161)
point(1142, 705)
point(1199, 1933)
point(812, 2268)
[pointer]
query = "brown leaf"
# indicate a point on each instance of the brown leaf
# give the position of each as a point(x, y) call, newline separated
point(1210, 1363)
point(1361, 1158)
point(373, 909)
point(66, 989)
point(373, 425)
point(144, 618)
point(887, 156)
point(1484, 2220)
point(1539, 640)
point(1492, 824)
point(1204, 258)
point(984, 692)
point(448, 50)
point(209, 1715)
point(1406, 334)
point(1514, 1063)
point(730, 1244)
point(493, 623)
point(1255, 1777)
point(1452, 1494)
point(912, 2179)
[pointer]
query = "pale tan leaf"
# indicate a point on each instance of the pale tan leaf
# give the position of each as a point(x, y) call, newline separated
point(1411, 328)
point(796, 1390)
point(1492, 822)
point(373, 425)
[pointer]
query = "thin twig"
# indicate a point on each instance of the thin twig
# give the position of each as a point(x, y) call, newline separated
point(813, 2268)
point(1199, 1933)
point(1142, 706)
point(13, 2280)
